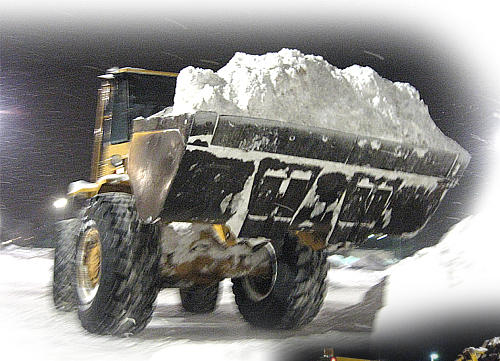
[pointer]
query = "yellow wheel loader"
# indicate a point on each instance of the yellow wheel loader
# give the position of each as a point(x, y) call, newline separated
point(188, 200)
point(489, 351)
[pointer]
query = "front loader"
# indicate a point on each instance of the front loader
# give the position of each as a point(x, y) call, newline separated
point(188, 200)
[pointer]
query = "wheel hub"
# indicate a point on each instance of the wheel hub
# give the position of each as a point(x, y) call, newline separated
point(88, 265)
point(260, 286)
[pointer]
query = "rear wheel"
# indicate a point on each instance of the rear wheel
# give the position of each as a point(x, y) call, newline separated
point(117, 260)
point(200, 299)
point(296, 296)
point(63, 285)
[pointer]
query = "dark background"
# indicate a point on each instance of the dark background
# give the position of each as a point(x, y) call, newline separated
point(49, 66)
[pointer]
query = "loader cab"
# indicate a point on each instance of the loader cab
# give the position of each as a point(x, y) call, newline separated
point(125, 94)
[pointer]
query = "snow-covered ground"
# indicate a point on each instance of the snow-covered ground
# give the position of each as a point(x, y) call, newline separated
point(31, 329)
point(458, 277)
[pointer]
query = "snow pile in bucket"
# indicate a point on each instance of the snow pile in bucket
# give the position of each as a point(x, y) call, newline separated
point(452, 280)
point(306, 89)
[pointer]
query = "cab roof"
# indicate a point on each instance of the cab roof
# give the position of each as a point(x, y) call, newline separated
point(115, 71)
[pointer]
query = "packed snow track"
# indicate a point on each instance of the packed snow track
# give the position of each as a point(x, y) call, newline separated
point(33, 330)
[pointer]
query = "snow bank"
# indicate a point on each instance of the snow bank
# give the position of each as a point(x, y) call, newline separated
point(466, 259)
point(452, 280)
point(291, 86)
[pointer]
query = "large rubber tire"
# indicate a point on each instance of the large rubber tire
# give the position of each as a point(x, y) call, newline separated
point(297, 295)
point(63, 283)
point(130, 252)
point(200, 299)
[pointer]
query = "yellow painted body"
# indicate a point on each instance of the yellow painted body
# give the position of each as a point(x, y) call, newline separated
point(310, 239)
point(329, 353)
point(93, 189)
point(146, 72)
point(470, 355)
point(105, 167)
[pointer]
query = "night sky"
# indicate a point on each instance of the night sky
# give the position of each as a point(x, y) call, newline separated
point(50, 63)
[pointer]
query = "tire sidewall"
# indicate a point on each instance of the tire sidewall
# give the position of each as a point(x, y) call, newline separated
point(103, 291)
point(92, 312)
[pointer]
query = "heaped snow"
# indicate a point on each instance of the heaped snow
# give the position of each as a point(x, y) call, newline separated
point(455, 279)
point(291, 86)
point(31, 329)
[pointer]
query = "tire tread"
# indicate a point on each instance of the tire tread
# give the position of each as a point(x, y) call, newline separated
point(306, 283)
point(133, 253)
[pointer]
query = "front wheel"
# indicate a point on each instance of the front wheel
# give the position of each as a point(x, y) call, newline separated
point(117, 260)
point(63, 285)
point(296, 296)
